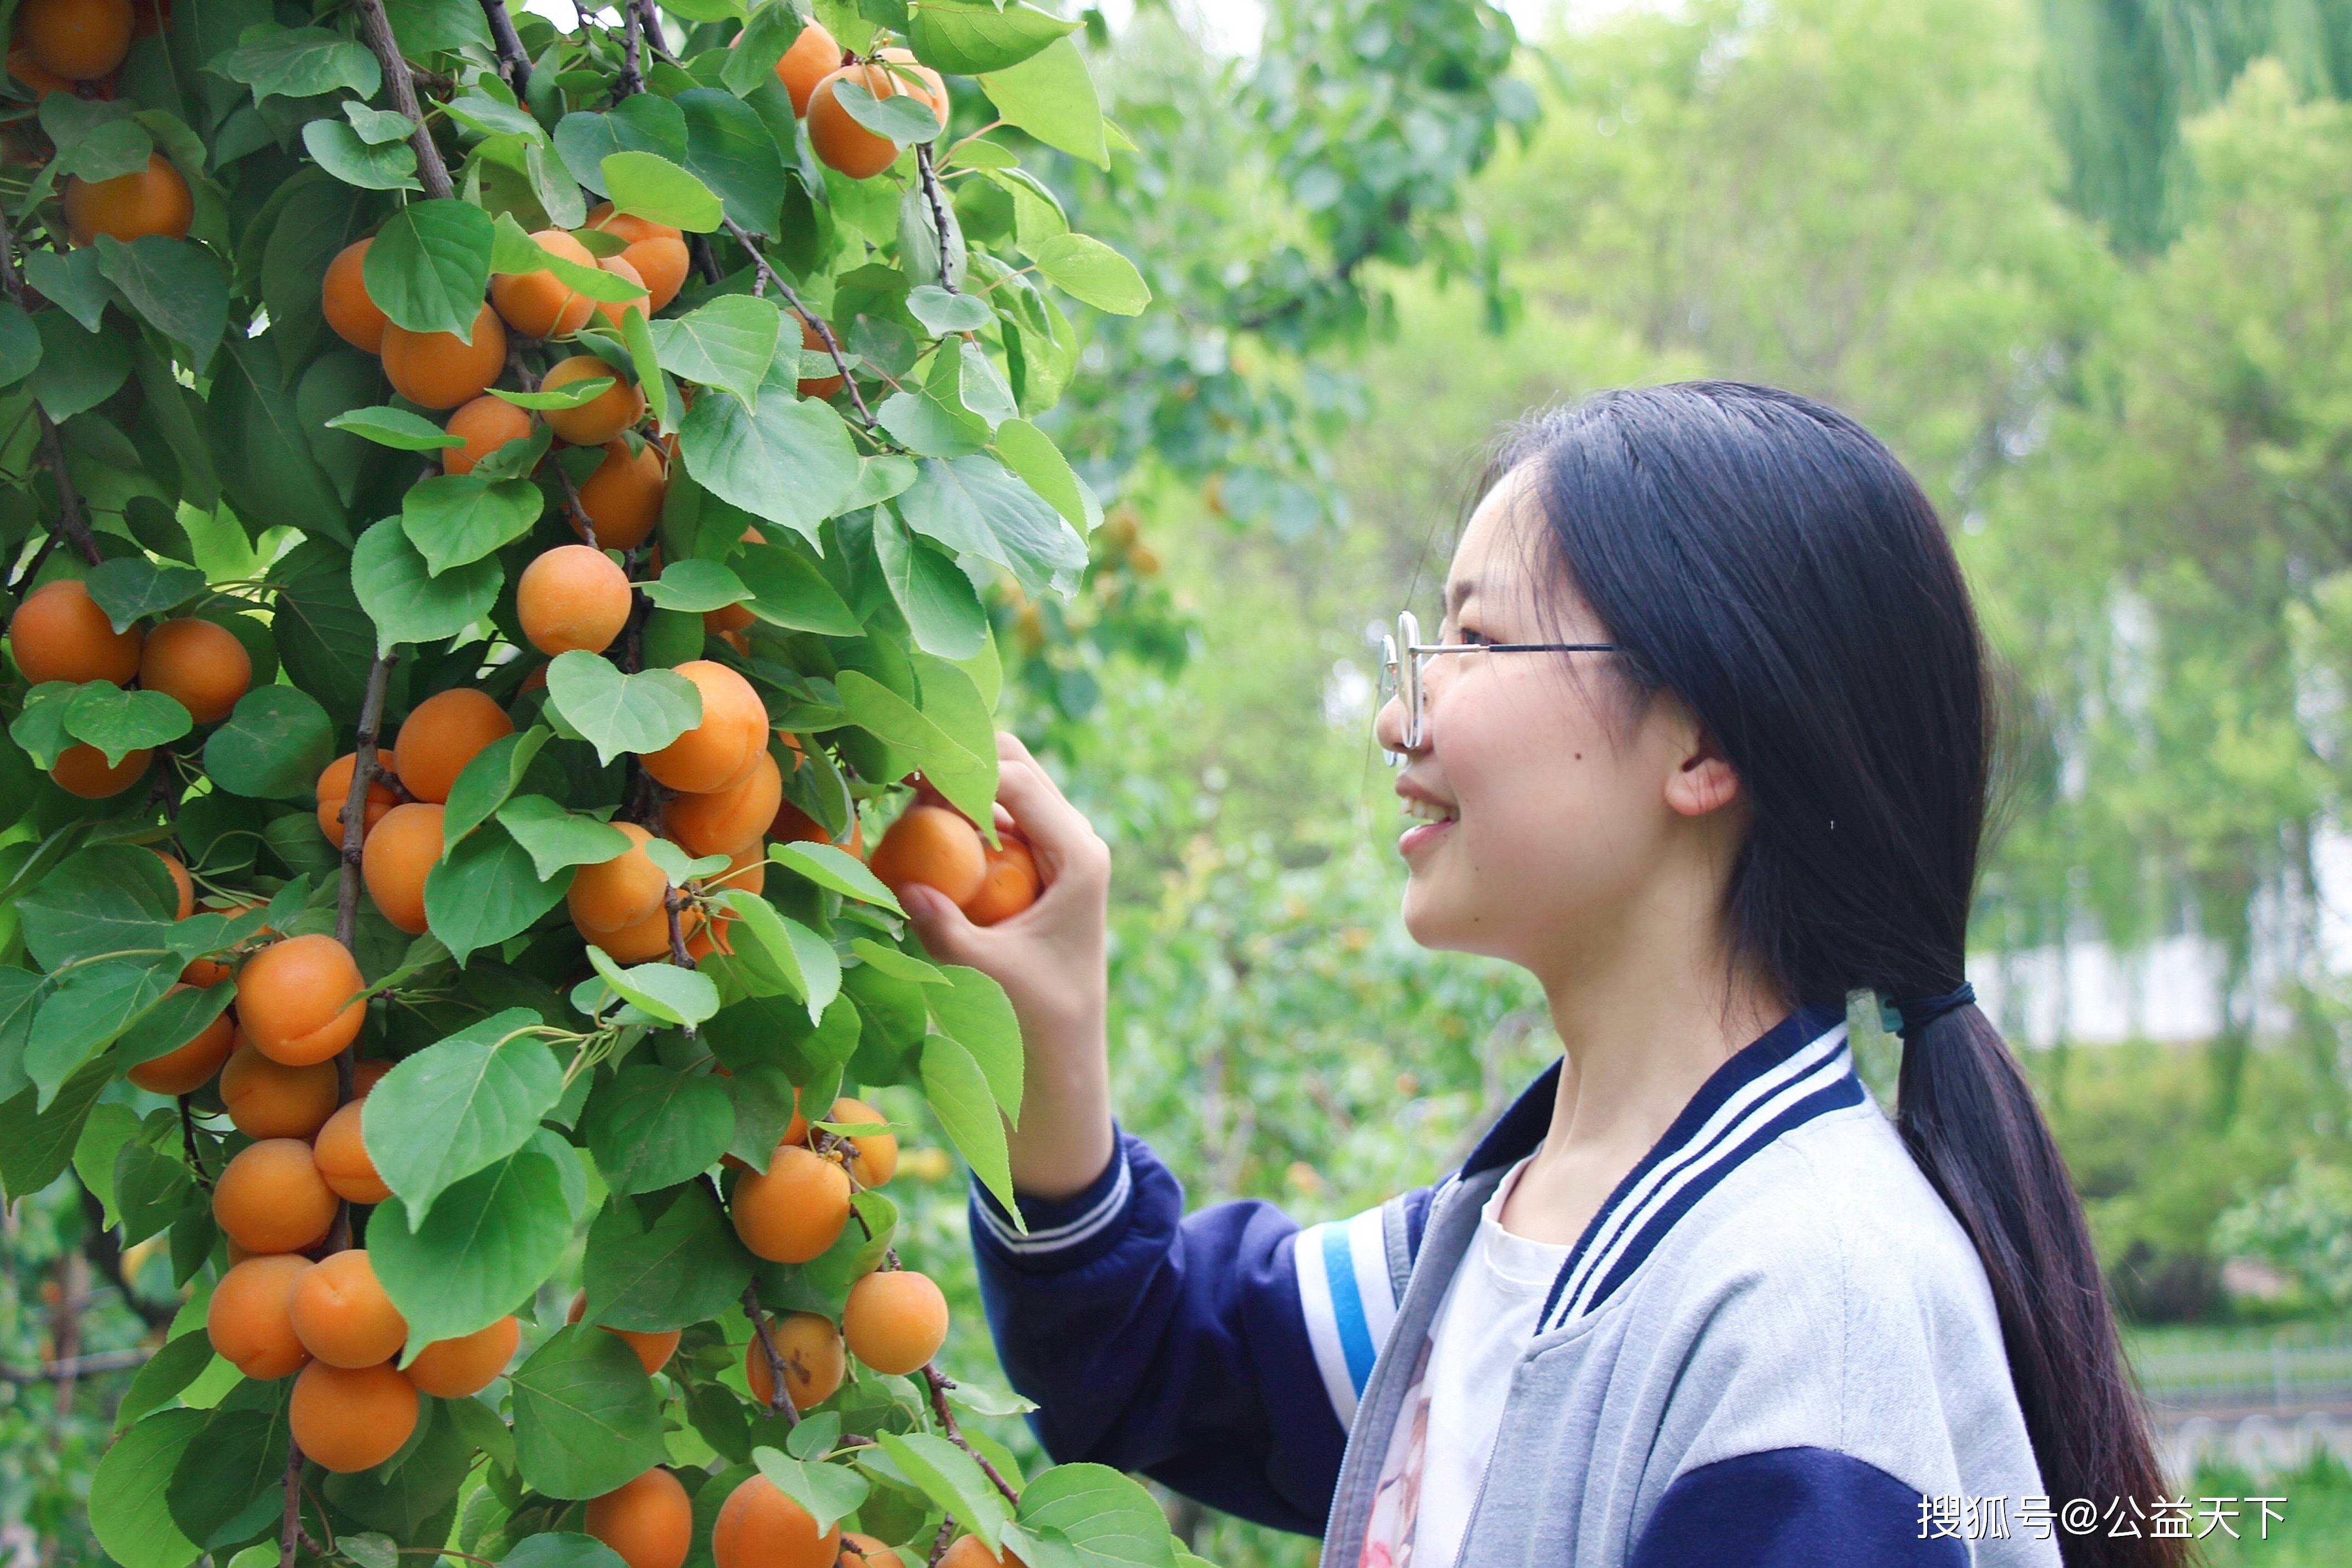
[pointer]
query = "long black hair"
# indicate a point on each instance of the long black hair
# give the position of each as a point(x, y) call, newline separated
point(1768, 561)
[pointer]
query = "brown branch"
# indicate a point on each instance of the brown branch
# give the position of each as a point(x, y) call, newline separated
point(832, 344)
point(71, 519)
point(102, 1248)
point(779, 1399)
point(632, 80)
point(706, 260)
point(375, 31)
point(677, 953)
point(514, 64)
point(940, 1383)
point(289, 1529)
point(939, 209)
point(354, 812)
point(188, 1145)
point(649, 28)
point(939, 1542)
point(72, 1367)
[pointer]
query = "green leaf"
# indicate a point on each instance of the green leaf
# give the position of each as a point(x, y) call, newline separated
point(973, 1011)
point(966, 1105)
point(486, 890)
point(969, 39)
point(616, 713)
point(300, 62)
point(179, 286)
point(272, 747)
point(406, 1495)
point(396, 428)
point(456, 519)
point(1050, 96)
point(642, 122)
point(20, 344)
point(181, 1362)
point(639, 340)
point(729, 343)
point(829, 865)
point(349, 157)
point(782, 457)
point(649, 185)
point(764, 1102)
point(1030, 453)
point(35, 1145)
point(1108, 1518)
point(1090, 271)
point(556, 838)
point(483, 784)
point(829, 1492)
point(174, 1021)
point(685, 1267)
point(71, 281)
point(105, 150)
point(376, 127)
point(562, 1548)
point(651, 1127)
point(324, 640)
point(239, 1459)
point(898, 964)
point(586, 1415)
point(953, 1481)
point(943, 609)
point(772, 950)
point(457, 1107)
point(262, 446)
point(78, 370)
point(662, 990)
point(430, 265)
point(571, 394)
point(941, 312)
point(964, 776)
point(699, 586)
point(791, 590)
point(104, 899)
point(729, 149)
point(902, 117)
point(514, 251)
point(406, 599)
point(101, 1139)
point(128, 1512)
point(119, 722)
point(86, 1008)
point(490, 1241)
point(976, 506)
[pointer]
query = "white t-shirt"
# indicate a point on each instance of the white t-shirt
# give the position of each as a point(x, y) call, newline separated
point(1454, 1407)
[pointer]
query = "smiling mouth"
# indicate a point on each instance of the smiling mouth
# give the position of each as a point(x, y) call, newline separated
point(1425, 811)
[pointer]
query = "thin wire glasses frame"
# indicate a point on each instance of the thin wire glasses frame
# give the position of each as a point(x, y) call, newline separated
point(1401, 654)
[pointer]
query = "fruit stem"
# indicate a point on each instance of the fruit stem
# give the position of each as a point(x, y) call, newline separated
point(832, 344)
point(779, 1401)
point(375, 30)
point(514, 64)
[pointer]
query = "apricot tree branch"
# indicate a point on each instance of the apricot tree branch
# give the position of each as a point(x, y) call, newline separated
point(514, 64)
point(779, 1400)
point(73, 1367)
point(188, 1144)
point(939, 209)
point(375, 30)
point(354, 814)
point(71, 520)
point(632, 80)
point(289, 1529)
point(832, 344)
point(940, 1383)
point(678, 956)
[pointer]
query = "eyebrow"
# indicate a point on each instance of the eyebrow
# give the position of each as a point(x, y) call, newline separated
point(1460, 588)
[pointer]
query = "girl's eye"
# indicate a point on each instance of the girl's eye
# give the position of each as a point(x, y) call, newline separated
point(1465, 634)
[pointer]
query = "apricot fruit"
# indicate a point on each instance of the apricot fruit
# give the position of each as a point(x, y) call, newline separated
point(619, 891)
point(400, 853)
point(270, 1197)
point(971, 1551)
point(648, 938)
point(810, 1347)
point(539, 304)
point(724, 821)
point(647, 1521)
point(446, 731)
point(572, 598)
point(654, 1347)
point(602, 417)
point(813, 57)
point(817, 386)
point(488, 423)
point(191, 1066)
point(839, 141)
point(299, 999)
point(268, 1099)
point(656, 253)
point(335, 793)
point(456, 1368)
point(622, 499)
point(341, 1157)
point(344, 301)
point(180, 884)
point(352, 1417)
point(440, 370)
point(78, 39)
point(249, 1319)
point(935, 846)
point(878, 1153)
point(866, 1552)
point(59, 633)
point(150, 201)
point(1008, 886)
point(202, 666)
point(342, 1315)
point(794, 1209)
point(793, 825)
point(366, 1073)
point(82, 770)
point(895, 1321)
point(760, 1527)
point(719, 751)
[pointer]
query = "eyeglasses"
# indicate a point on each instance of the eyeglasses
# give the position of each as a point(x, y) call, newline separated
point(1400, 659)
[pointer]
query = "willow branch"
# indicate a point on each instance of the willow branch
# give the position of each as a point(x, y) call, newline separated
point(71, 519)
point(514, 64)
point(939, 209)
point(832, 344)
point(375, 30)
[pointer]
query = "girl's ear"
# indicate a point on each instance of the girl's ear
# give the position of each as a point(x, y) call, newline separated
point(1703, 779)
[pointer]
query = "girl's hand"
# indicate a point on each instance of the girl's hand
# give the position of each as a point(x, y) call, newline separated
point(1049, 959)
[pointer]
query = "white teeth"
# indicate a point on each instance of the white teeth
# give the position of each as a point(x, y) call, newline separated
point(1427, 812)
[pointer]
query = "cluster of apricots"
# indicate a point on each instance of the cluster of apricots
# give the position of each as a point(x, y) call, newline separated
point(59, 633)
point(73, 46)
point(649, 1522)
point(935, 844)
point(811, 70)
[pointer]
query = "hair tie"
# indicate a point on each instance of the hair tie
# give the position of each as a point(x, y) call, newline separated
point(1908, 1018)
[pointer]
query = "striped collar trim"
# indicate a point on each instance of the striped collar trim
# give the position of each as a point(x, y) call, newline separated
point(1801, 1068)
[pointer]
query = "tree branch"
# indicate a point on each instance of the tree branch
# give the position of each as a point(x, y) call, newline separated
point(375, 30)
point(188, 1145)
point(832, 344)
point(354, 812)
point(289, 1529)
point(677, 953)
point(632, 80)
point(938, 1384)
point(72, 1367)
point(939, 209)
point(514, 64)
point(779, 1399)
point(103, 1249)
point(71, 520)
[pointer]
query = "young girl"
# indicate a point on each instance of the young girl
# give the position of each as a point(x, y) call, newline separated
point(1703, 744)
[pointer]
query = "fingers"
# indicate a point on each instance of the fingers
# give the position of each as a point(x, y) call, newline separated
point(1058, 831)
point(945, 931)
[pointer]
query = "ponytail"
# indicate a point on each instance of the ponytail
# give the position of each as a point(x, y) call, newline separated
point(1768, 561)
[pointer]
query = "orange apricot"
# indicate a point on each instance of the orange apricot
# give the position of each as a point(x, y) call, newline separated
point(719, 751)
point(539, 304)
point(795, 826)
point(180, 884)
point(971, 1551)
point(78, 39)
point(400, 853)
point(352, 1417)
point(445, 731)
point(813, 57)
point(935, 846)
point(616, 311)
point(270, 1197)
point(488, 423)
point(202, 666)
point(746, 870)
point(366, 1073)
point(82, 770)
point(1008, 886)
point(572, 598)
point(341, 1154)
point(455, 1368)
point(878, 1153)
point(866, 1552)
point(815, 386)
point(619, 891)
point(794, 1209)
point(810, 1347)
point(191, 1066)
point(602, 417)
point(895, 1321)
point(59, 633)
point(249, 1319)
point(724, 821)
point(150, 201)
point(622, 499)
point(647, 1521)
point(341, 1313)
point(654, 1347)
point(268, 1099)
point(300, 1000)
point(839, 141)
point(759, 1527)
point(656, 254)
point(345, 302)
point(648, 938)
point(920, 79)
point(439, 370)
point(335, 793)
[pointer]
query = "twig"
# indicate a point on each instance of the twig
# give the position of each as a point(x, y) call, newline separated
point(375, 30)
point(940, 1383)
point(939, 209)
point(632, 80)
point(939, 1542)
point(649, 27)
point(514, 64)
point(71, 520)
point(779, 1400)
point(706, 260)
point(677, 953)
point(188, 1143)
point(354, 814)
point(831, 345)
point(72, 1367)
point(290, 1530)
point(102, 1248)
point(579, 513)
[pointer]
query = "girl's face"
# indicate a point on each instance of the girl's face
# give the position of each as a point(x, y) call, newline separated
point(1563, 800)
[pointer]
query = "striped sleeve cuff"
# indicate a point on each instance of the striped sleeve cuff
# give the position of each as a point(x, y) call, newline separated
point(1347, 1300)
point(1064, 1233)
